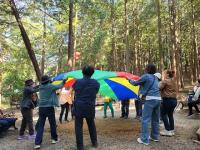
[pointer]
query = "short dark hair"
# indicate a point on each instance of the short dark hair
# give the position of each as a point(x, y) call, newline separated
point(88, 70)
point(151, 69)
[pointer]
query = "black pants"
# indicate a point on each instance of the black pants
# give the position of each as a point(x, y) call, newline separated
point(27, 119)
point(193, 104)
point(63, 108)
point(46, 112)
point(138, 107)
point(125, 108)
point(168, 106)
point(79, 131)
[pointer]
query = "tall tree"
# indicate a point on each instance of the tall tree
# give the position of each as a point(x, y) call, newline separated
point(71, 36)
point(25, 39)
point(127, 51)
point(159, 23)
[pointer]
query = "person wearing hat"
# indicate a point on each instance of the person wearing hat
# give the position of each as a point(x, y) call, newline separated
point(195, 98)
point(48, 100)
point(27, 107)
point(84, 106)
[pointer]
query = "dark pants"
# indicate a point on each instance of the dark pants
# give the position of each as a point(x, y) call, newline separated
point(79, 131)
point(4, 125)
point(72, 114)
point(125, 108)
point(27, 119)
point(63, 108)
point(193, 104)
point(138, 107)
point(168, 106)
point(46, 112)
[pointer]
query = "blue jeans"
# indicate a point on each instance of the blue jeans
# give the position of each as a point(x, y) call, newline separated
point(151, 113)
point(46, 112)
point(169, 104)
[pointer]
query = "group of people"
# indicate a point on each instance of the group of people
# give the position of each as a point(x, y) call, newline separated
point(83, 93)
point(158, 96)
point(153, 92)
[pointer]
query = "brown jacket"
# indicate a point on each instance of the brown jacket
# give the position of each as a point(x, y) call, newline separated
point(168, 88)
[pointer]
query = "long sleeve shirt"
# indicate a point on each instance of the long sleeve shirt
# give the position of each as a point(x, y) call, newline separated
point(148, 86)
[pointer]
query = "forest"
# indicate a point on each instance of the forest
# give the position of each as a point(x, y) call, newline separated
point(54, 36)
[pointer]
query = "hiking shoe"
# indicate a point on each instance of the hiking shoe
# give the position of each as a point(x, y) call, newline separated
point(105, 116)
point(166, 133)
point(22, 137)
point(122, 117)
point(150, 138)
point(141, 142)
point(37, 147)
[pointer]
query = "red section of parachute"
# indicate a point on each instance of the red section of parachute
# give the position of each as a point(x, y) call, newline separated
point(127, 75)
point(69, 83)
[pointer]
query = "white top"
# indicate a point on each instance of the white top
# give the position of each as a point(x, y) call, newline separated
point(197, 93)
point(65, 96)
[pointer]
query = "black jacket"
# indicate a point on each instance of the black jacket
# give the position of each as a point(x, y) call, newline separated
point(26, 101)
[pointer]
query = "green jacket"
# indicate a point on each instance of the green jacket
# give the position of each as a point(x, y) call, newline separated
point(48, 97)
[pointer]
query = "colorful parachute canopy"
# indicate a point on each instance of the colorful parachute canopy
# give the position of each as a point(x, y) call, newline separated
point(112, 84)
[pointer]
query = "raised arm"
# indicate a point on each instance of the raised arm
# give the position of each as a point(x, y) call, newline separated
point(141, 81)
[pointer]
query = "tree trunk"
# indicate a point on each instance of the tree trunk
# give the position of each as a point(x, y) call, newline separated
point(127, 52)
point(26, 39)
point(160, 47)
point(44, 39)
point(113, 48)
point(75, 44)
point(194, 43)
point(71, 37)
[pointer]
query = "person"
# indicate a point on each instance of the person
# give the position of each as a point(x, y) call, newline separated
point(108, 103)
point(138, 108)
point(6, 122)
point(27, 105)
point(195, 99)
point(159, 76)
point(48, 99)
point(151, 111)
point(168, 91)
point(125, 108)
point(65, 102)
point(84, 106)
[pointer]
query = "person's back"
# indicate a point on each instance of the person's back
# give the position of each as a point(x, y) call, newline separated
point(48, 97)
point(84, 106)
point(85, 96)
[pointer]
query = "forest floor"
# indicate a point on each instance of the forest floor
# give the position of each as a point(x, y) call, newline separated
point(113, 134)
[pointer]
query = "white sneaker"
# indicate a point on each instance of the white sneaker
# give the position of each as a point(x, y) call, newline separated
point(141, 142)
point(37, 147)
point(172, 132)
point(153, 139)
point(166, 133)
point(54, 141)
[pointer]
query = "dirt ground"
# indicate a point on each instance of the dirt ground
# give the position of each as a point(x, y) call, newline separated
point(113, 134)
